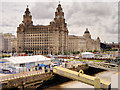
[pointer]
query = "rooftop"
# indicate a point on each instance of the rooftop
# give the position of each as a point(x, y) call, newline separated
point(25, 59)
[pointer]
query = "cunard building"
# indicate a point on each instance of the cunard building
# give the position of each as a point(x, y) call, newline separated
point(43, 39)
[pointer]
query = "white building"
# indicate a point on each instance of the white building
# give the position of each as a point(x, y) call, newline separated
point(1, 42)
point(7, 44)
point(25, 60)
point(24, 63)
point(88, 55)
point(6, 40)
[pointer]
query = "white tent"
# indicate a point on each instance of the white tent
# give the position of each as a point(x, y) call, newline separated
point(26, 59)
point(88, 55)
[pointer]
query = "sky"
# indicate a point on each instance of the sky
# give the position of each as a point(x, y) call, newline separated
point(99, 16)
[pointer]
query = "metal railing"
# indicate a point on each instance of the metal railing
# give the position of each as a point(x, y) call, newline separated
point(21, 75)
point(104, 65)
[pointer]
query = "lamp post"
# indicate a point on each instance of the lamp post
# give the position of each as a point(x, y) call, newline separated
point(27, 53)
point(37, 66)
point(1, 57)
point(50, 48)
point(20, 51)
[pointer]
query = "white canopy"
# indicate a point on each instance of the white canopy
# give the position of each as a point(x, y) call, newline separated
point(88, 55)
point(26, 59)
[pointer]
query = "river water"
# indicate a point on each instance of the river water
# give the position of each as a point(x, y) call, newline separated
point(71, 84)
point(106, 75)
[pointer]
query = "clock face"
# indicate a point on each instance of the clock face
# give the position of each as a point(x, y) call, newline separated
point(59, 10)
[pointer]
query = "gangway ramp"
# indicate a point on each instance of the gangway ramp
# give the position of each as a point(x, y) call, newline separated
point(105, 66)
point(97, 83)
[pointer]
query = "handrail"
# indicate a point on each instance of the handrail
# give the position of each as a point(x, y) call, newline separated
point(15, 76)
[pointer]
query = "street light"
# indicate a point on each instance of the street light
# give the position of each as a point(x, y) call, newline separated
point(1, 57)
point(20, 51)
point(50, 48)
point(27, 53)
point(37, 66)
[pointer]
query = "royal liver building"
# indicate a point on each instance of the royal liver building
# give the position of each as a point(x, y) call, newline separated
point(52, 38)
point(43, 39)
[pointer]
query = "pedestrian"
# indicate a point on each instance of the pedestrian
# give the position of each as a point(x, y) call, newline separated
point(51, 69)
point(36, 68)
point(45, 69)
point(65, 65)
point(40, 68)
point(23, 72)
point(49, 65)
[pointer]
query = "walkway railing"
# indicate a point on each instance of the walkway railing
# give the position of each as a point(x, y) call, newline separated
point(21, 75)
point(107, 66)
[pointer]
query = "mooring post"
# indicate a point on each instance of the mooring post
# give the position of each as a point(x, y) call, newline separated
point(97, 84)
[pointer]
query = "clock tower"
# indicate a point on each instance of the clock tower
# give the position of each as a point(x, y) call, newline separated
point(59, 18)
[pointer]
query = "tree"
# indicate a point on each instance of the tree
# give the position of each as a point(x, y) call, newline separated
point(96, 51)
point(59, 53)
point(56, 53)
point(90, 50)
point(77, 52)
point(73, 52)
point(66, 53)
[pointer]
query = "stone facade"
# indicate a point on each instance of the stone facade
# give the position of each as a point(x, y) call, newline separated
point(83, 43)
point(1, 42)
point(6, 42)
point(14, 44)
point(8, 38)
point(52, 38)
point(41, 39)
point(76, 43)
point(91, 44)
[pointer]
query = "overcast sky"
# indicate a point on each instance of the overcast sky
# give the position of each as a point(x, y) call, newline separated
point(99, 16)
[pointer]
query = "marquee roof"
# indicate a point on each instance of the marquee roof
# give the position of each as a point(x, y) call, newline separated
point(26, 59)
point(87, 53)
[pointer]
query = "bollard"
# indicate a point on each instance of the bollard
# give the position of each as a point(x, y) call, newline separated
point(97, 84)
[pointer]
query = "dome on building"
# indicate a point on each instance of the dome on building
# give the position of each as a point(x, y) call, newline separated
point(98, 38)
point(86, 31)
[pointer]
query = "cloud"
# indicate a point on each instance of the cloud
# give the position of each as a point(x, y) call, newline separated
point(43, 10)
point(101, 18)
